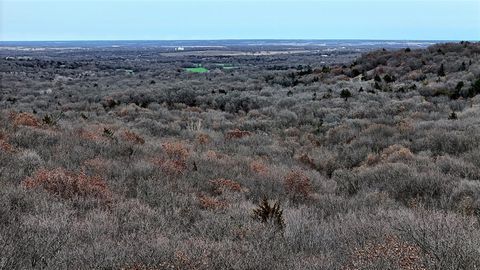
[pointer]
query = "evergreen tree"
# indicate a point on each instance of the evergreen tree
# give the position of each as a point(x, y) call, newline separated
point(441, 71)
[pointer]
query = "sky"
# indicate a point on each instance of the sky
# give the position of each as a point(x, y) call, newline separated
point(22, 20)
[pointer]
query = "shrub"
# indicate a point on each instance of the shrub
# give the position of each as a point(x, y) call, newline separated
point(447, 242)
point(237, 134)
point(392, 251)
point(396, 153)
point(52, 120)
point(24, 119)
point(267, 213)
point(475, 89)
point(392, 154)
point(305, 159)
point(405, 192)
point(109, 103)
point(459, 85)
point(207, 202)
point(347, 182)
point(377, 136)
point(450, 142)
point(441, 71)
point(465, 198)
point(298, 184)
point(203, 139)
point(287, 118)
point(176, 150)
point(4, 145)
point(457, 167)
point(345, 94)
point(404, 183)
point(109, 134)
point(173, 167)
point(222, 184)
point(132, 137)
point(97, 164)
point(401, 181)
point(259, 167)
point(452, 116)
point(68, 185)
point(389, 79)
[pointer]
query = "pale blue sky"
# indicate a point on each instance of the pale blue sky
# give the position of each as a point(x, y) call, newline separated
point(235, 19)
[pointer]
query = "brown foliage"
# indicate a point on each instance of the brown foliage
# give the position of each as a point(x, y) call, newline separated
point(393, 153)
point(132, 137)
point(237, 134)
point(24, 119)
point(259, 167)
point(109, 103)
point(130, 109)
point(307, 160)
point(171, 166)
point(95, 133)
point(217, 157)
point(4, 145)
point(396, 152)
point(176, 161)
point(210, 154)
point(207, 202)
point(88, 135)
point(176, 150)
point(297, 183)
point(223, 184)
point(372, 159)
point(203, 138)
point(68, 185)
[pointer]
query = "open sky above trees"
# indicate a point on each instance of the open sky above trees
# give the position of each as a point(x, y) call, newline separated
point(234, 19)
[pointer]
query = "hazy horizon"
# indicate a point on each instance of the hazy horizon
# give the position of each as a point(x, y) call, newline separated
point(123, 20)
point(246, 39)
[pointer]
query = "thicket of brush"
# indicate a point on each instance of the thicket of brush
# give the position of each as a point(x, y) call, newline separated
point(355, 166)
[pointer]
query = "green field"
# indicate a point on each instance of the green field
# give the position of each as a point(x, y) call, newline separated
point(196, 70)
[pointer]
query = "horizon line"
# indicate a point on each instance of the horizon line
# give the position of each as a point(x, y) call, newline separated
point(240, 39)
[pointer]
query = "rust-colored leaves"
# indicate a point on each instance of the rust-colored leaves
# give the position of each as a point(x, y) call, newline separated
point(68, 185)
